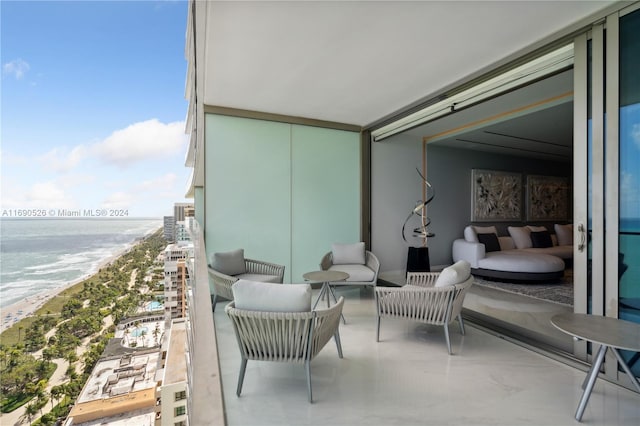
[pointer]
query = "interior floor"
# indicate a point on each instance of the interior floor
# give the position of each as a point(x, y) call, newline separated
point(408, 378)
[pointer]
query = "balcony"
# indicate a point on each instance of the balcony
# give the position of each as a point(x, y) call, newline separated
point(407, 378)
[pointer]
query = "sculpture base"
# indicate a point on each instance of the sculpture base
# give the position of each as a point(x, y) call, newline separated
point(418, 259)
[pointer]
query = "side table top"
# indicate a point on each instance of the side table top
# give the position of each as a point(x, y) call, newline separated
point(598, 329)
point(325, 276)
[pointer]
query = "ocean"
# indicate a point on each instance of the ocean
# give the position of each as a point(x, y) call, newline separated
point(38, 255)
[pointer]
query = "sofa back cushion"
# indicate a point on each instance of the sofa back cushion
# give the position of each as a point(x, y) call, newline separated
point(490, 242)
point(267, 297)
point(348, 254)
point(520, 235)
point(564, 233)
point(471, 232)
point(457, 273)
point(229, 262)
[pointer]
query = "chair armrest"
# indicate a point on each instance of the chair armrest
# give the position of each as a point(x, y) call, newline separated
point(471, 252)
point(372, 262)
point(326, 262)
point(264, 268)
point(222, 283)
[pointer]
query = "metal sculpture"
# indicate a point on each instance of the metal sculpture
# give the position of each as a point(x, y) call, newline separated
point(419, 210)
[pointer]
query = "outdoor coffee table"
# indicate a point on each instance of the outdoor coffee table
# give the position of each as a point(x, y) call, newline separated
point(610, 333)
point(326, 278)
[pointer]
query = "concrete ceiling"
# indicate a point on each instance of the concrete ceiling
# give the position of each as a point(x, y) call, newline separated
point(358, 62)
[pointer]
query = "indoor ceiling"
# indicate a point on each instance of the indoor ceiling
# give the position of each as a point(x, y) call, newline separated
point(358, 62)
point(535, 121)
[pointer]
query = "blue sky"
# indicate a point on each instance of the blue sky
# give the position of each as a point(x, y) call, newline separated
point(93, 105)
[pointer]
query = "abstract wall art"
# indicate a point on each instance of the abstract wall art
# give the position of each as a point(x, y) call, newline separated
point(495, 196)
point(547, 198)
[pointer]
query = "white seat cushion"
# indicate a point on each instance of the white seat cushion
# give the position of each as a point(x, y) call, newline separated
point(521, 261)
point(455, 274)
point(357, 273)
point(267, 297)
point(259, 278)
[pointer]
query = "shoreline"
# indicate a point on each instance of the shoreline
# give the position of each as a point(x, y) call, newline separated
point(27, 308)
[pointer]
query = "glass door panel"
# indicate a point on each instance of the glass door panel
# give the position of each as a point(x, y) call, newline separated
point(629, 176)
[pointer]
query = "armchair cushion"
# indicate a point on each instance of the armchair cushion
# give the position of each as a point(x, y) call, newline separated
point(348, 254)
point(454, 274)
point(229, 263)
point(267, 297)
point(359, 273)
point(260, 278)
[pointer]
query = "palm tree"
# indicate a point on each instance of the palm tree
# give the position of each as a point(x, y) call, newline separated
point(30, 411)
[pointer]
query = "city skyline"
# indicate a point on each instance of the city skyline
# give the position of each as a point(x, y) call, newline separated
point(93, 107)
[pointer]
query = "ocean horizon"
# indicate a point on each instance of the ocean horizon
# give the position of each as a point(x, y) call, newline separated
point(39, 255)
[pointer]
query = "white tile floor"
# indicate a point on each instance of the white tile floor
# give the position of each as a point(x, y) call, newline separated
point(409, 379)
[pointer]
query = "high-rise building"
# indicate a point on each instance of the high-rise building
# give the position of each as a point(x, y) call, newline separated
point(168, 230)
point(175, 280)
point(182, 210)
point(172, 395)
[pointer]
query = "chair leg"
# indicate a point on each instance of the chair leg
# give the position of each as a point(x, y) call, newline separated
point(378, 330)
point(336, 337)
point(307, 367)
point(461, 324)
point(446, 336)
point(243, 368)
point(214, 299)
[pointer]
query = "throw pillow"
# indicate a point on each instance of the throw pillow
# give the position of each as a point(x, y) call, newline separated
point(267, 297)
point(564, 233)
point(454, 274)
point(520, 235)
point(541, 239)
point(230, 262)
point(348, 254)
point(490, 242)
point(537, 228)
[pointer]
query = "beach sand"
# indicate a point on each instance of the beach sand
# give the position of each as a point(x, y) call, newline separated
point(12, 314)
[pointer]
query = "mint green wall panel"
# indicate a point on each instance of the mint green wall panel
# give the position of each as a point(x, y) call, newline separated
point(325, 190)
point(247, 190)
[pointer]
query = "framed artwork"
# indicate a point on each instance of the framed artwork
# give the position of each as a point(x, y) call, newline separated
point(495, 196)
point(547, 198)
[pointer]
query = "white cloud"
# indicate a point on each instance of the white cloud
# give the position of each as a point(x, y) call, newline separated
point(17, 68)
point(160, 183)
point(48, 195)
point(142, 141)
point(62, 160)
point(119, 200)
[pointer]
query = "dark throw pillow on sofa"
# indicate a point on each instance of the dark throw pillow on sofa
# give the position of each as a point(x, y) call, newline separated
point(490, 242)
point(541, 239)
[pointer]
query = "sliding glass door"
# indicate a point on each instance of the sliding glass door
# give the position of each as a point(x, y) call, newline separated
point(607, 175)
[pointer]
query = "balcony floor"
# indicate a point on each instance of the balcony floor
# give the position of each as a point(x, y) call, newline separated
point(409, 379)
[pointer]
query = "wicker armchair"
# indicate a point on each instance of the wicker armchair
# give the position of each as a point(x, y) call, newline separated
point(370, 268)
point(295, 337)
point(420, 301)
point(256, 270)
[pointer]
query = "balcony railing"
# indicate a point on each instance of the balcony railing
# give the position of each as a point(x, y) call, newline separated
point(205, 401)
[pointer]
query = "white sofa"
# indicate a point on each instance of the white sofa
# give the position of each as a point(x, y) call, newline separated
point(516, 256)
